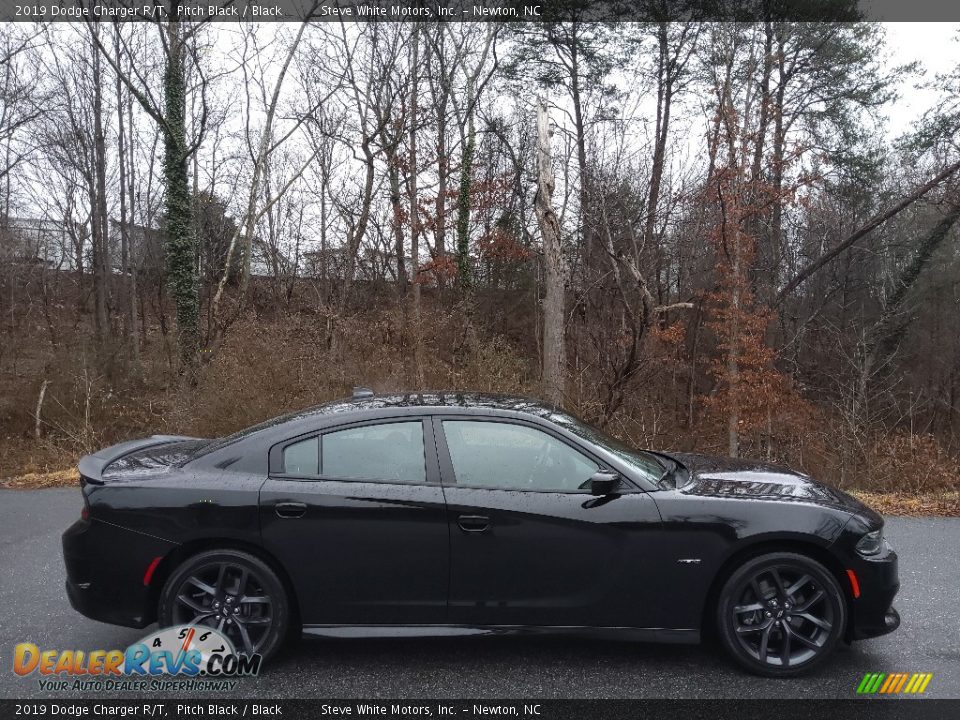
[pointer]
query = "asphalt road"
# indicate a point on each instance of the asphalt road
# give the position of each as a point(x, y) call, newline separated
point(33, 608)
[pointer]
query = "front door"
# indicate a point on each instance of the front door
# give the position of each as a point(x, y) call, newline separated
point(356, 515)
point(529, 544)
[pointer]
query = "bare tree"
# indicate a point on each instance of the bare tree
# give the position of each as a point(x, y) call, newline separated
point(555, 264)
point(256, 208)
point(175, 37)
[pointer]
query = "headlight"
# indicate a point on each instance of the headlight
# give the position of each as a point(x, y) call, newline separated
point(871, 543)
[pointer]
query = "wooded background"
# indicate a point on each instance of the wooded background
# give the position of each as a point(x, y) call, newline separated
point(700, 236)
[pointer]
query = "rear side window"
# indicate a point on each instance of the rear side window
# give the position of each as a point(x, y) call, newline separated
point(302, 458)
point(393, 451)
point(388, 451)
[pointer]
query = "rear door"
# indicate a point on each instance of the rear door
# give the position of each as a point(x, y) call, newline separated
point(529, 544)
point(356, 515)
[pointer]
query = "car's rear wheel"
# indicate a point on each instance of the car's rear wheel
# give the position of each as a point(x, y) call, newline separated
point(232, 591)
point(781, 614)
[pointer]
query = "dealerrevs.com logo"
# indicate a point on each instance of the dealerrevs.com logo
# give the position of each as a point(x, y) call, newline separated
point(184, 657)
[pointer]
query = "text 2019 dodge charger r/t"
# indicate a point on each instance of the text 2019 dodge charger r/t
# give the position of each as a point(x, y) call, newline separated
point(452, 512)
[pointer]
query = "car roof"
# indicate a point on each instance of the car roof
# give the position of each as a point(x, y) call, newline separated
point(437, 401)
point(391, 404)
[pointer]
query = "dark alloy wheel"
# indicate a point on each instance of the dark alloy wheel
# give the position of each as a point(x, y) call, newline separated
point(781, 614)
point(232, 591)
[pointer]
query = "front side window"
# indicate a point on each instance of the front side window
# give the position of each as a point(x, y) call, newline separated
point(514, 457)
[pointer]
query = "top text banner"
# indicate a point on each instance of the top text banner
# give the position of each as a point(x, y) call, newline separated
point(476, 10)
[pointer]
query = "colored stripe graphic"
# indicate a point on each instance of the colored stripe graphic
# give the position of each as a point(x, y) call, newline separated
point(912, 684)
point(866, 685)
point(920, 683)
point(894, 683)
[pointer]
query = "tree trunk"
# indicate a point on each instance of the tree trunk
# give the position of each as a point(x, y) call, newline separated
point(396, 223)
point(731, 226)
point(443, 172)
point(136, 324)
point(179, 226)
point(463, 196)
point(581, 139)
point(98, 212)
point(733, 362)
point(779, 148)
point(324, 190)
point(356, 235)
point(665, 82)
point(129, 297)
point(440, 94)
point(664, 102)
point(764, 121)
point(554, 345)
point(414, 214)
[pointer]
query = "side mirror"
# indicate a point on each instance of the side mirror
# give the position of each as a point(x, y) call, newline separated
point(604, 483)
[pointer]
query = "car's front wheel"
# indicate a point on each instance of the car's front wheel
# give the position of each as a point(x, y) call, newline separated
point(232, 591)
point(781, 614)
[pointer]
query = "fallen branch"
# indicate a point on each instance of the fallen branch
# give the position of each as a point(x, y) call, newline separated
point(871, 225)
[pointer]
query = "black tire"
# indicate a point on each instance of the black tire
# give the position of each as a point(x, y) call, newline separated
point(248, 601)
point(781, 606)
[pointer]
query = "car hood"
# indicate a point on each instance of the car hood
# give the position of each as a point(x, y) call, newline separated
point(754, 479)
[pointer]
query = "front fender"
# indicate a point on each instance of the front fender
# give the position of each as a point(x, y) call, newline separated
point(703, 537)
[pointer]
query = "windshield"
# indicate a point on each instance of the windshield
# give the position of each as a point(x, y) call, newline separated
point(643, 463)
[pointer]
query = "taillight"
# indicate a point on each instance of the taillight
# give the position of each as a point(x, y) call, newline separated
point(85, 513)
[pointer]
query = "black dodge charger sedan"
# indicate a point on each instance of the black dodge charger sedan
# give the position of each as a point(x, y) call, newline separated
point(461, 513)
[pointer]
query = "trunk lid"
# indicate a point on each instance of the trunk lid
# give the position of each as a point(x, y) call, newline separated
point(137, 458)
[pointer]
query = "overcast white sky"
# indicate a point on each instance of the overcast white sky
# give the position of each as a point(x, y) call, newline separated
point(937, 48)
point(936, 45)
